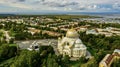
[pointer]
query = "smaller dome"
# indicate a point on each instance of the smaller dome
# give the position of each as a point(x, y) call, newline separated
point(82, 46)
point(78, 41)
point(77, 46)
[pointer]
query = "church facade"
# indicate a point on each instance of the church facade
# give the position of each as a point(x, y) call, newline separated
point(71, 45)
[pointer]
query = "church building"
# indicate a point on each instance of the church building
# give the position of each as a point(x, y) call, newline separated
point(71, 45)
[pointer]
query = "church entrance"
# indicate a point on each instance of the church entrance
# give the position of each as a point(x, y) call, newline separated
point(65, 53)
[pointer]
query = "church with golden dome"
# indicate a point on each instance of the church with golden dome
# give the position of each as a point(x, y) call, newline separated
point(71, 45)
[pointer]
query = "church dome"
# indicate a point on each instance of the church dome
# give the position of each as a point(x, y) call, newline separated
point(78, 41)
point(77, 46)
point(72, 33)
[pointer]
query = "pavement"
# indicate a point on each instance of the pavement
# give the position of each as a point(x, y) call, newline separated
point(45, 42)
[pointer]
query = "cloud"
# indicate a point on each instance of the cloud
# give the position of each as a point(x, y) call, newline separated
point(87, 7)
point(116, 6)
point(54, 3)
point(63, 5)
point(13, 3)
point(21, 0)
point(68, 9)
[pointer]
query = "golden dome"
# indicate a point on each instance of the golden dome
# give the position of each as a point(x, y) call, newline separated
point(72, 33)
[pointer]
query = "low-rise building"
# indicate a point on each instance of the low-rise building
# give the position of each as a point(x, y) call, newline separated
point(109, 58)
point(93, 31)
point(109, 31)
point(51, 33)
point(33, 30)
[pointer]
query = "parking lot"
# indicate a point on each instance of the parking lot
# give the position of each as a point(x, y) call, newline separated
point(42, 42)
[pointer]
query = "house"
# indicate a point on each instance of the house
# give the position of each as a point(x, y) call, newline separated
point(109, 58)
point(92, 31)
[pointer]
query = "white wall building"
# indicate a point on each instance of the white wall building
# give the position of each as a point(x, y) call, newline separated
point(71, 45)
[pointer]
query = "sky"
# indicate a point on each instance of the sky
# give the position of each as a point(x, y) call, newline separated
point(59, 5)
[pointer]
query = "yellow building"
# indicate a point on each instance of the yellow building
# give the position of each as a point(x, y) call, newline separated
point(109, 58)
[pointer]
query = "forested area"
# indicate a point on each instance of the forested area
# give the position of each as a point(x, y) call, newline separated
point(98, 46)
point(45, 57)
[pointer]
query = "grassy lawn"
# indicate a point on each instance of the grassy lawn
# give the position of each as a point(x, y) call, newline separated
point(8, 62)
point(75, 63)
point(12, 45)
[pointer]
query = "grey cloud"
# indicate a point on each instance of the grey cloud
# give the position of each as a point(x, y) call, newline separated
point(38, 2)
point(21, 0)
point(17, 1)
point(55, 4)
point(116, 6)
point(80, 8)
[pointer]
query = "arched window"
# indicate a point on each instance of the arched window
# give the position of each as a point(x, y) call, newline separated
point(67, 43)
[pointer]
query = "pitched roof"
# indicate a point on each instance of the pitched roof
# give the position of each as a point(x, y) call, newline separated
point(109, 59)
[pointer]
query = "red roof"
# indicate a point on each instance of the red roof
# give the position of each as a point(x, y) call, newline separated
point(109, 59)
point(116, 54)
